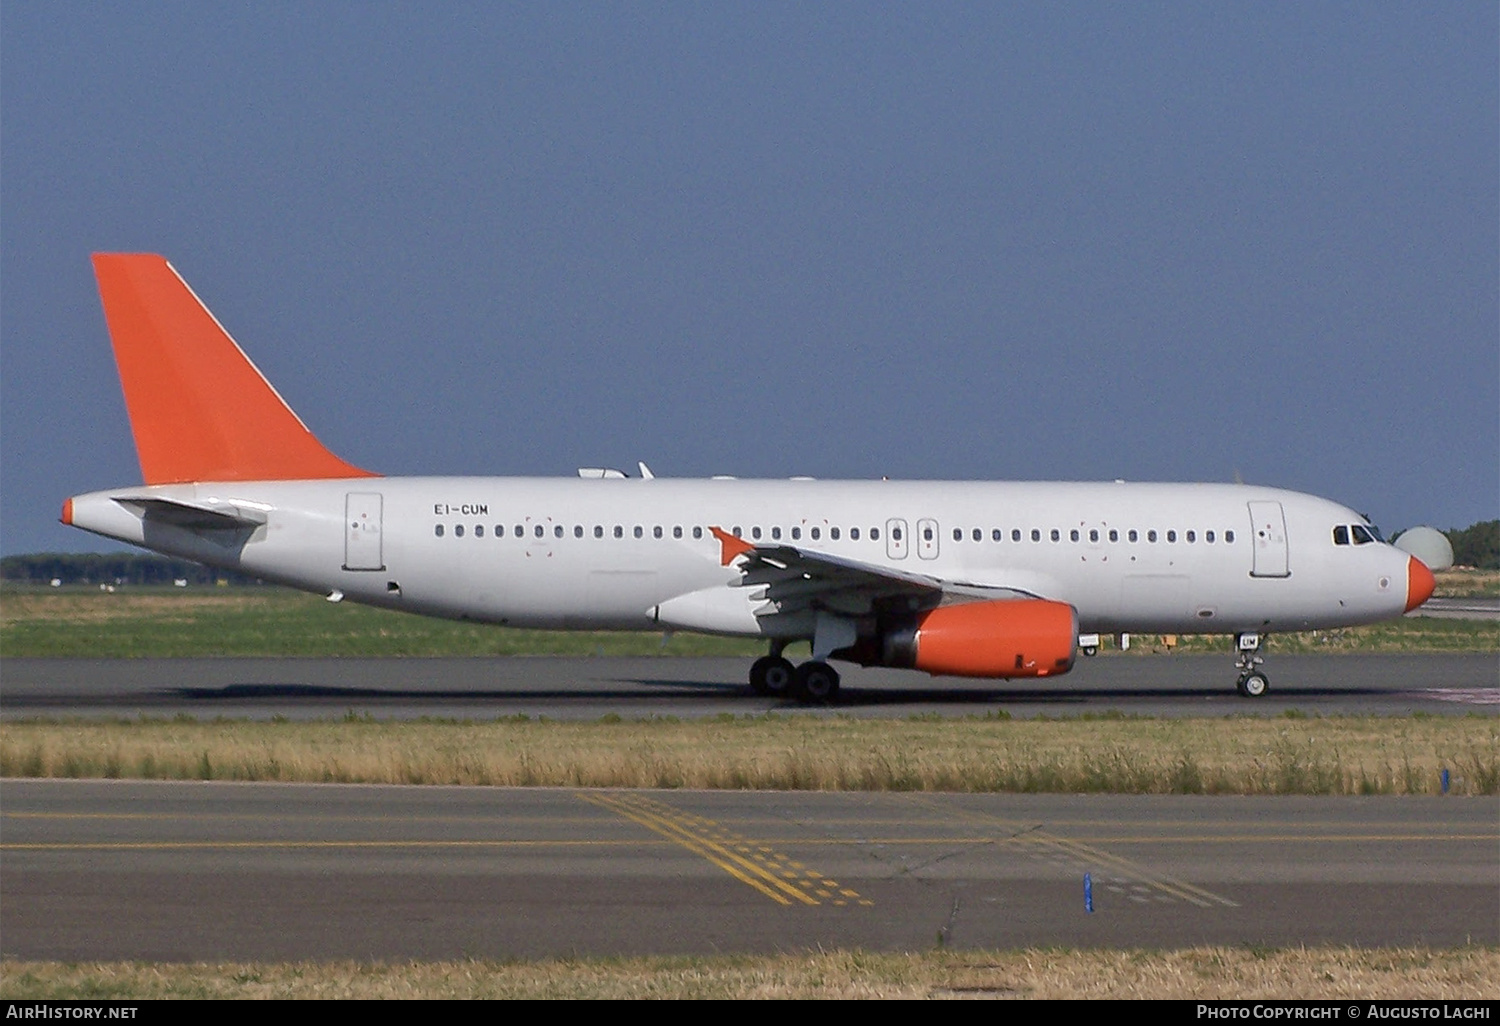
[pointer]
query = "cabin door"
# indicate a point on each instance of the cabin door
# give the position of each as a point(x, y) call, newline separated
point(1268, 535)
point(362, 548)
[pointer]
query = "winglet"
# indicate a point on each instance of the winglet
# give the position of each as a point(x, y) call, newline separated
point(730, 546)
point(199, 409)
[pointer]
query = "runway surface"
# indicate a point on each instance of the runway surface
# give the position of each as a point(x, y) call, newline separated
point(583, 688)
point(201, 871)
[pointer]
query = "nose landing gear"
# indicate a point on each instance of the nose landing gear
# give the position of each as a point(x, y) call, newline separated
point(1251, 683)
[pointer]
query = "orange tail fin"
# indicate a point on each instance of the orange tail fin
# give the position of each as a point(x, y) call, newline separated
point(199, 409)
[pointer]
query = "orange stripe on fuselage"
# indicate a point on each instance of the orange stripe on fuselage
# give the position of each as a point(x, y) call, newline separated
point(199, 409)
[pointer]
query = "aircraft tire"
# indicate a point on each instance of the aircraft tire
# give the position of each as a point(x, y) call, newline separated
point(1253, 685)
point(815, 683)
point(771, 676)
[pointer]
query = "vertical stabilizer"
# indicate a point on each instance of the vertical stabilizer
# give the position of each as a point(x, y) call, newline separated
point(199, 409)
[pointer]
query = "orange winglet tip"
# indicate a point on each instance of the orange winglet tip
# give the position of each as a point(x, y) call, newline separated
point(200, 410)
point(67, 512)
point(730, 546)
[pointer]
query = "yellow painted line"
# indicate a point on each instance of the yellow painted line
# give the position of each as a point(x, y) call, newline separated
point(1081, 851)
point(690, 844)
point(762, 864)
point(1180, 889)
point(210, 845)
point(668, 816)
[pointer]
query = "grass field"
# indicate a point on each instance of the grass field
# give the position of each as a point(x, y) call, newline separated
point(1288, 755)
point(85, 622)
point(1207, 973)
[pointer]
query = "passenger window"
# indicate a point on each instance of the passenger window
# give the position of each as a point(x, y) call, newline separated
point(895, 533)
point(1228, 537)
point(539, 531)
point(499, 530)
point(1073, 534)
point(958, 534)
point(927, 534)
point(677, 531)
point(458, 530)
point(619, 531)
point(697, 532)
point(874, 534)
point(598, 530)
point(577, 530)
point(479, 530)
point(656, 531)
point(1015, 534)
point(1056, 534)
point(1171, 536)
point(1131, 535)
point(1036, 535)
point(438, 530)
point(738, 531)
point(1208, 536)
point(854, 534)
point(816, 533)
point(978, 534)
point(997, 534)
point(796, 533)
point(640, 532)
point(1192, 536)
point(776, 534)
point(1114, 535)
point(557, 531)
point(833, 532)
point(1151, 536)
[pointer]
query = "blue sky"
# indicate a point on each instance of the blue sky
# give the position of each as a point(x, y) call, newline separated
point(1060, 241)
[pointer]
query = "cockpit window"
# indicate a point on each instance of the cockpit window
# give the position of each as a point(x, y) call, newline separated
point(1362, 535)
point(1341, 535)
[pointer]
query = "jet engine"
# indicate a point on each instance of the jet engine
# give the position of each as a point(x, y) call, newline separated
point(1000, 638)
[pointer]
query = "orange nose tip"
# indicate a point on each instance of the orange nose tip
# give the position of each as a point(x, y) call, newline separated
point(1419, 583)
point(67, 512)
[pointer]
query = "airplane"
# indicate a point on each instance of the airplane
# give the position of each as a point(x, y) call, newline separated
point(998, 580)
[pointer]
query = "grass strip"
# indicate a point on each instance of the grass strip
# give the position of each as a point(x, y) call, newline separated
point(1338, 973)
point(1293, 754)
point(79, 622)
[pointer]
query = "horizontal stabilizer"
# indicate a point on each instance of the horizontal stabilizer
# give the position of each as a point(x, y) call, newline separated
point(193, 516)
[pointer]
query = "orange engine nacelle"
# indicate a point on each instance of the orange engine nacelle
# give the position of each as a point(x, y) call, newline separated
point(1001, 638)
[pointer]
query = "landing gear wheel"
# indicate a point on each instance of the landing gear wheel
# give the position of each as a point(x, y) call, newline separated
point(1253, 685)
point(815, 683)
point(770, 675)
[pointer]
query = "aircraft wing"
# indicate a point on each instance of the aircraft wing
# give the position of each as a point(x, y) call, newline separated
point(792, 579)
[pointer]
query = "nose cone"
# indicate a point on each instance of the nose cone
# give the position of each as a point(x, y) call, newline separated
point(1419, 583)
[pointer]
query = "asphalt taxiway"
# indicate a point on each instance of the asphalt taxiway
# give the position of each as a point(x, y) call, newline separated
point(209, 871)
point(588, 688)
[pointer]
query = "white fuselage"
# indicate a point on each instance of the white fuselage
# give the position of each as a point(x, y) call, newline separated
point(610, 553)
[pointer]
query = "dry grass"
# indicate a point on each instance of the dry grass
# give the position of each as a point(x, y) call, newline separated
point(1290, 755)
point(1467, 582)
point(83, 606)
point(1195, 973)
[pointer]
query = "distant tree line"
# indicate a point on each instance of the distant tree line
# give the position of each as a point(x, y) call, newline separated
point(112, 568)
point(1477, 545)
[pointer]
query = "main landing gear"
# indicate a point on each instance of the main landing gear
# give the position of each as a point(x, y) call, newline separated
point(1252, 683)
point(814, 682)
